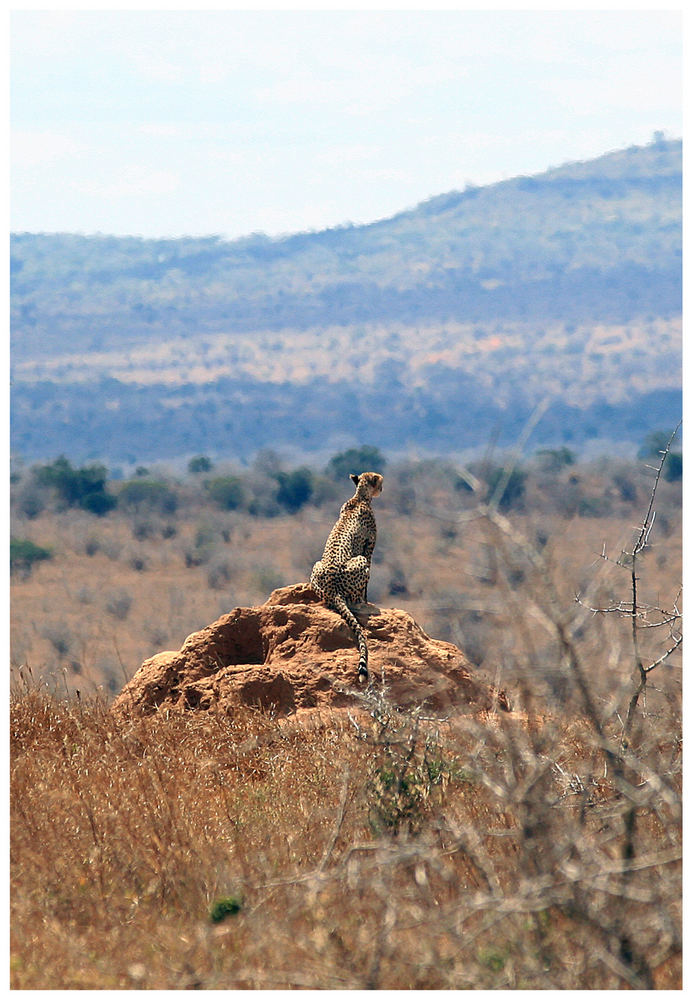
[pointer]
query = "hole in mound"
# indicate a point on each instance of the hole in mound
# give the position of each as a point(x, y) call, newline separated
point(196, 699)
point(239, 641)
point(273, 692)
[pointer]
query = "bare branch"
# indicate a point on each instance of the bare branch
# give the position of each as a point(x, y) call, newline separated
point(664, 656)
point(649, 517)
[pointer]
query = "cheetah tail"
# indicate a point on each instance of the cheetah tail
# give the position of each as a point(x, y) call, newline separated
point(341, 607)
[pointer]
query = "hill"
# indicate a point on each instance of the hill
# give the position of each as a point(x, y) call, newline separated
point(438, 328)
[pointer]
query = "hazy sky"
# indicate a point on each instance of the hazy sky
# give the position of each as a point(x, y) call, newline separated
point(164, 123)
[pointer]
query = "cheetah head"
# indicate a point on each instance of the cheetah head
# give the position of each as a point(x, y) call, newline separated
point(370, 483)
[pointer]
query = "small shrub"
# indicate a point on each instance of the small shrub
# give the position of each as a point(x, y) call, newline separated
point(59, 636)
point(229, 906)
point(593, 507)
point(554, 459)
point(653, 448)
point(295, 488)
point(673, 467)
point(398, 582)
point(493, 959)
point(99, 504)
point(157, 636)
point(203, 547)
point(118, 604)
point(396, 800)
point(148, 494)
point(226, 492)
point(24, 553)
point(654, 445)
point(513, 495)
point(31, 501)
point(199, 464)
point(219, 574)
point(356, 460)
point(262, 495)
point(626, 487)
point(269, 578)
point(410, 765)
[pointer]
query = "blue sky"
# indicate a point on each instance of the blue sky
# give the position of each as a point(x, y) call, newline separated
point(166, 123)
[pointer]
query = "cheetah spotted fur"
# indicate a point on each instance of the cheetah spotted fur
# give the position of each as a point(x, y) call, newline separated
point(340, 578)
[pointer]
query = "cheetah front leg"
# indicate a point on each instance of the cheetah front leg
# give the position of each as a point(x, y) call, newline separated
point(367, 555)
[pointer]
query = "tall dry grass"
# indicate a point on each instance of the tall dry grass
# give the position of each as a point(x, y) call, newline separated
point(381, 850)
point(378, 849)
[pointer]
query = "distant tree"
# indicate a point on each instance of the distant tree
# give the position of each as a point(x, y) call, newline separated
point(554, 459)
point(673, 467)
point(356, 460)
point(295, 488)
point(85, 487)
point(31, 500)
point(267, 463)
point(226, 491)
point(626, 487)
point(653, 448)
point(99, 503)
point(140, 494)
point(200, 464)
point(654, 444)
point(23, 554)
point(513, 495)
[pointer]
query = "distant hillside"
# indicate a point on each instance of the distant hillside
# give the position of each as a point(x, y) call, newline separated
point(450, 320)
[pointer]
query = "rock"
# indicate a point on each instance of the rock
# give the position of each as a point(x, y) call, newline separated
point(294, 653)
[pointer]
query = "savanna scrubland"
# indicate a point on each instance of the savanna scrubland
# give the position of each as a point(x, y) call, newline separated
point(536, 848)
point(422, 331)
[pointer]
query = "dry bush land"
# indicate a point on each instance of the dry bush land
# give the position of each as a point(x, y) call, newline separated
point(618, 355)
point(378, 849)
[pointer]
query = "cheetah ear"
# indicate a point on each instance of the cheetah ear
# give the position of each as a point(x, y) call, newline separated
point(354, 479)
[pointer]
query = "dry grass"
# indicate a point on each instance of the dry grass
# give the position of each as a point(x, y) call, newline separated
point(394, 853)
point(533, 850)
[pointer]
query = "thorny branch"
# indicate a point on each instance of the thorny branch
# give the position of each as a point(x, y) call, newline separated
point(640, 545)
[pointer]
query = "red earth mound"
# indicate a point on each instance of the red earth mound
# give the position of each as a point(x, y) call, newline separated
point(293, 653)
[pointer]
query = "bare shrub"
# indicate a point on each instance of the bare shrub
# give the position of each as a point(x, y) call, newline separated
point(31, 500)
point(92, 545)
point(203, 547)
point(219, 573)
point(59, 635)
point(85, 595)
point(137, 562)
point(118, 604)
point(158, 635)
point(268, 578)
point(142, 529)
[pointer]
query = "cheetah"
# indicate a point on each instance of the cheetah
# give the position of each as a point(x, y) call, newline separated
point(341, 576)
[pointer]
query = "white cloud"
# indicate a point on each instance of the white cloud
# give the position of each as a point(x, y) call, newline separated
point(134, 182)
point(162, 130)
point(351, 153)
point(31, 149)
